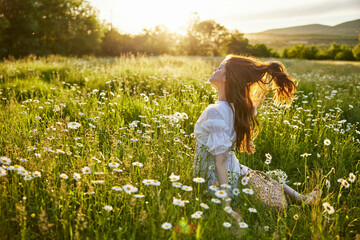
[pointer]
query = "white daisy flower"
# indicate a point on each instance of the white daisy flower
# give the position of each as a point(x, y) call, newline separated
point(228, 209)
point(215, 200)
point(155, 183)
point(221, 194)
point(252, 210)
point(117, 170)
point(166, 225)
point(147, 181)
point(199, 180)
point(196, 216)
point(27, 177)
point(178, 202)
point(113, 164)
point(186, 188)
point(268, 156)
point(36, 174)
point(139, 195)
point(212, 167)
point(267, 161)
point(86, 170)
point(243, 225)
point(76, 176)
point(176, 184)
point(97, 181)
point(64, 176)
point(22, 171)
point(327, 142)
point(225, 185)
point(213, 188)
point(116, 188)
point(3, 172)
point(345, 184)
point(305, 155)
point(236, 191)
point(108, 208)
point(227, 224)
point(174, 178)
point(352, 177)
point(244, 181)
point(327, 183)
point(128, 188)
point(74, 125)
point(204, 205)
point(248, 191)
point(5, 160)
point(328, 208)
point(138, 164)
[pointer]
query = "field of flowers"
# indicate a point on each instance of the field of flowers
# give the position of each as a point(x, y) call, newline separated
point(103, 149)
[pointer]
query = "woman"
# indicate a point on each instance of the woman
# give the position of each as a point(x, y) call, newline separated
point(241, 83)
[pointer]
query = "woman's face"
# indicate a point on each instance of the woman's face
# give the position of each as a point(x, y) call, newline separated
point(218, 76)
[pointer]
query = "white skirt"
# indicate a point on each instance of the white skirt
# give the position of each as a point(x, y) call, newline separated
point(205, 167)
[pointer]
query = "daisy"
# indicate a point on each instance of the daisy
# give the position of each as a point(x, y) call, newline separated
point(268, 156)
point(31, 149)
point(327, 183)
point(297, 183)
point(248, 191)
point(352, 177)
point(228, 209)
point(22, 159)
point(76, 176)
point(199, 180)
point(296, 217)
point(236, 191)
point(305, 155)
point(97, 181)
point(196, 216)
point(74, 125)
point(147, 181)
point(213, 188)
point(116, 188)
point(186, 188)
point(166, 225)
point(27, 177)
point(91, 125)
point(340, 180)
point(204, 205)
point(243, 225)
point(155, 183)
point(64, 176)
point(220, 194)
point(3, 172)
point(227, 224)
point(86, 170)
point(128, 188)
point(108, 208)
point(138, 164)
point(328, 208)
point(113, 164)
point(215, 200)
point(252, 210)
point(212, 167)
point(267, 161)
point(174, 178)
point(345, 184)
point(36, 174)
point(117, 170)
point(244, 181)
point(139, 195)
point(22, 171)
point(176, 184)
point(327, 142)
point(227, 199)
point(178, 202)
point(225, 185)
point(5, 160)
point(99, 173)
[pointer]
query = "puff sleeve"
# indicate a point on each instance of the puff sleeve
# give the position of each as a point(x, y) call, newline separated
point(218, 140)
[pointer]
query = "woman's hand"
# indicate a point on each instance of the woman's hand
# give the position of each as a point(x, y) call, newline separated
point(237, 216)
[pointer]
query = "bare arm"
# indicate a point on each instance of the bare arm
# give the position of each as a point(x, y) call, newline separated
point(221, 173)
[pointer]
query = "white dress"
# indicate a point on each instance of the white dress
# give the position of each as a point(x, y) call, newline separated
point(215, 134)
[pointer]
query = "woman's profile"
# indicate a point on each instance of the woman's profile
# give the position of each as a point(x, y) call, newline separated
point(230, 123)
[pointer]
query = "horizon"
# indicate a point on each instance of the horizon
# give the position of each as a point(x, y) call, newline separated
point(251, 19)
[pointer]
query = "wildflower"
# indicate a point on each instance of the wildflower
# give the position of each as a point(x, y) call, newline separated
point(74, 125)
point(166, 225)
point(99, 173)
point(116, 188)
point(174, 178)
point(64, 176)
point(327, 142)
point(176, 184)
point(340, 180)
point(38, 155)
point(128, 188)
point(79, 145)
point(352, 177)
point(225, 185)
point(36, 174)
point(138, 164)
point(155, 183)
point(213, 188)
point(147, 181)
point(296, 217)
point(328, 208)
point(139, 195)
point(199, 180)
point(93, 126)
point(248, 191)
point(27, 177)
point(97, 181)
point(227, 224)
point(86, 170)
point(244, 180)
point(204, 205)
point(196, 215)
point(252, 210)
point(345, 184)
point(215, 200)
point(212, 167)
point(268, 156)
point(3, 172)
point(76, 176)
point(5, 160)
point(236, 191)
point(327, 183)
point(297, 183)
point(31, 149)
point(267, 161)
point(22, 171)
point(113, 164)
point(243, 225)
point(108, 208)
point(305, 155)
point(178, 202)
point(117, 170)
point(22, 159)
point(227, 199)
point(187, 188)
point(221, 194)
point(228, 209)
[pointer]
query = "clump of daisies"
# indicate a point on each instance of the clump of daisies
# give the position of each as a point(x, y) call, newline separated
point(279, 175)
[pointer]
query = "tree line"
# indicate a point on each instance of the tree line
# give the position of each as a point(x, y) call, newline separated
point(72, 28)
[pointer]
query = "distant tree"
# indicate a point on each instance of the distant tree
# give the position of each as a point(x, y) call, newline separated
point(237, 43)
point(356, 50)
point(113, 43)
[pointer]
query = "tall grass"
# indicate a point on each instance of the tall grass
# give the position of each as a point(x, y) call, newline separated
point(143, 109)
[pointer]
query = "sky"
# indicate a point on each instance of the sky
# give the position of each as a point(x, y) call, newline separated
point(131, 16)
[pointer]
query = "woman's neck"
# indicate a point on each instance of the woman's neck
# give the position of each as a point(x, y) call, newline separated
point(221, 94)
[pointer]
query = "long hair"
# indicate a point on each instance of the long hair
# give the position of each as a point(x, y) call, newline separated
point(247, 80)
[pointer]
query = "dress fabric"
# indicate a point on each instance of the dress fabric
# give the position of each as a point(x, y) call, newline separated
point(215, 134)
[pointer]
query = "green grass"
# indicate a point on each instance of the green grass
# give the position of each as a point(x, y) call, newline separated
point(39, 97)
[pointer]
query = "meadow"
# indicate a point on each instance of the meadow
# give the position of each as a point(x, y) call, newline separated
point(103, 148)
